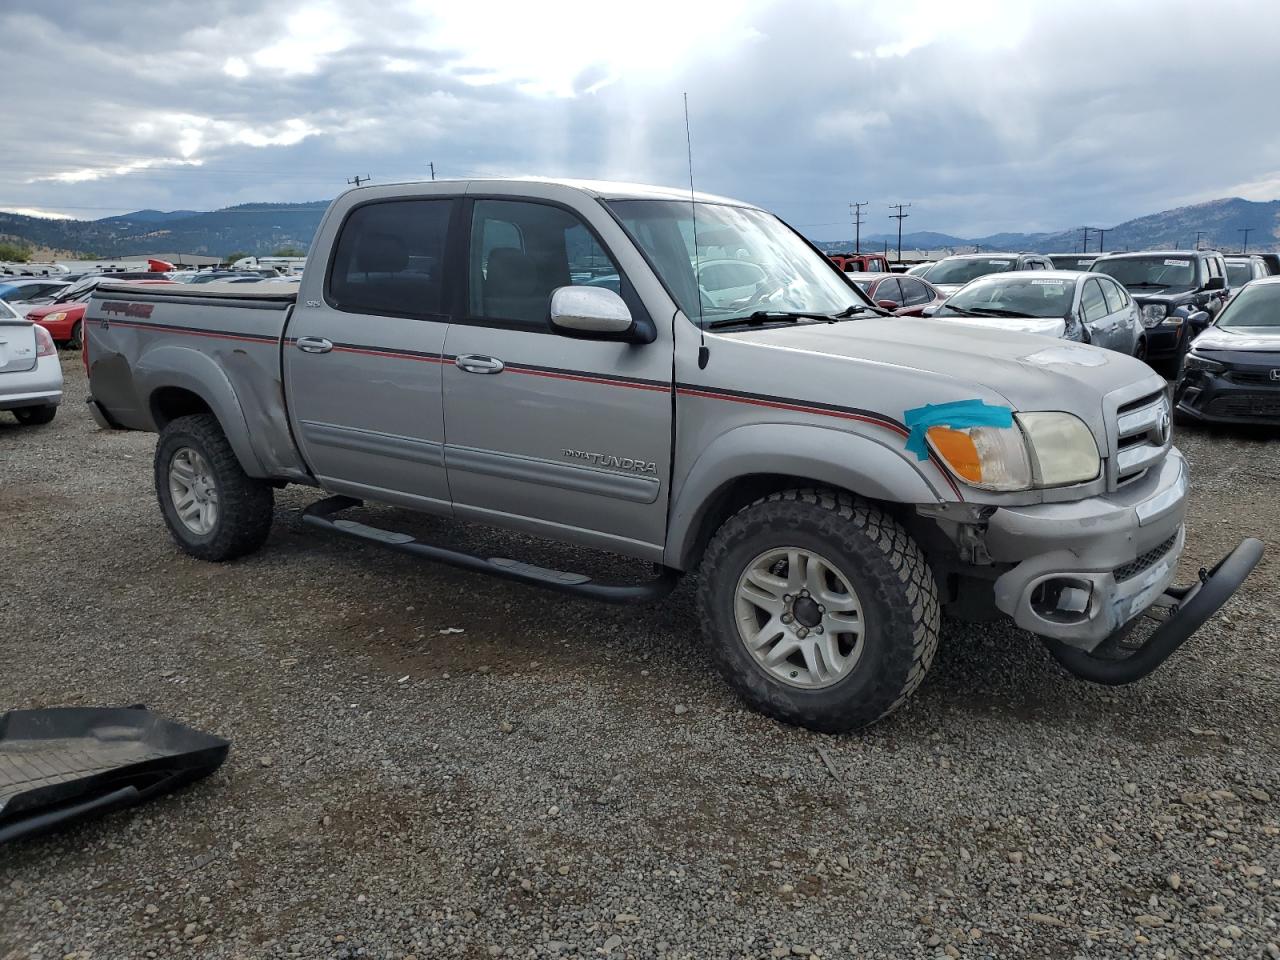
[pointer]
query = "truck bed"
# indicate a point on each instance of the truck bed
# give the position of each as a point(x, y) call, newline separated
point(156, 352)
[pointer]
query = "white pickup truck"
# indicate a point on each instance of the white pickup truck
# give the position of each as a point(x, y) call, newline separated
point(689, 382)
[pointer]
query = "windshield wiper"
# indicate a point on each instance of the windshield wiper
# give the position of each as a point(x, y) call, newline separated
point(994, 312)
point(1147, 283)
point(951, 308)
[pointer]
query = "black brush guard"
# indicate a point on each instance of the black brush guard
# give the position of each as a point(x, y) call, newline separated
point(1189, 607)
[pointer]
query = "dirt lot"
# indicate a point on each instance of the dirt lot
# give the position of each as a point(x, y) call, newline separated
point(426, 763)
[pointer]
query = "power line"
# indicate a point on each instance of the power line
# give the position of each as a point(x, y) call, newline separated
point(857, 225)
point(899, 216)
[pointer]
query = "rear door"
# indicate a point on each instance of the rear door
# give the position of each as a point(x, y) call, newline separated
point(555, 435)
point(1095, 312)
point(1122, 316)
point(362, 356)
point(915, 296)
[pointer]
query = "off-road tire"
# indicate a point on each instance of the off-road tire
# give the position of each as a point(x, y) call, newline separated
point(244, 504)
point(883, 564)
point(36, 416)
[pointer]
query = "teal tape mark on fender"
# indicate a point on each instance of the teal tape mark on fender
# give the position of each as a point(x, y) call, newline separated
point(958, 414)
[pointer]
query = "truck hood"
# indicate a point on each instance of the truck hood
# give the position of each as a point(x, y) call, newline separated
point(958, 360)
point(1165, 295)
point(1043, 326)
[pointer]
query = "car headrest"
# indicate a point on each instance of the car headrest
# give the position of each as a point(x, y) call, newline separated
point(511, 273)
point(381, 253)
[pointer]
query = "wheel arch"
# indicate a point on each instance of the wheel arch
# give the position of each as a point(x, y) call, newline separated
point(752, 461)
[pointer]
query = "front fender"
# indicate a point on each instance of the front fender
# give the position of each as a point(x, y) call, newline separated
point(809, 453)
point(174, 365)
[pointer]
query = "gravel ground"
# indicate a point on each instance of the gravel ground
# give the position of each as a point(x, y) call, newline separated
point(426, 763)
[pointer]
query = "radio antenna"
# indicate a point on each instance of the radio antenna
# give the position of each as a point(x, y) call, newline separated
point(703, 353)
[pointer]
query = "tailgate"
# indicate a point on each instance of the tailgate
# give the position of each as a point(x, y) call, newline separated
point(17, 346)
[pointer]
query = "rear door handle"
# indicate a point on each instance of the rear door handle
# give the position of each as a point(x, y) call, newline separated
point(473, 363)
point(314, 345)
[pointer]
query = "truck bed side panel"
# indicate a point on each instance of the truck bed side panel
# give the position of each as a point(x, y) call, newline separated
point(145, 344)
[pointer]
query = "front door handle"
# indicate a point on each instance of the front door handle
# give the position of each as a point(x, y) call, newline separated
point(314, 345)
point(473, 363)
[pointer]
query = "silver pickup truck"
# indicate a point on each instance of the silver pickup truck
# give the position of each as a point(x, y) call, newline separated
point(686, 381)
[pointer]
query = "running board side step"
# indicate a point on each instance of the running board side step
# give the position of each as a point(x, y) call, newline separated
point(321, 514)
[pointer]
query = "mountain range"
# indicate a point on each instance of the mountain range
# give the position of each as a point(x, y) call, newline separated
point(1219, 222)
point(261, 228)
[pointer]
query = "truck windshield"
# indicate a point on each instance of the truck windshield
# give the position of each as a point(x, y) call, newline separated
point(1257, 305)
point(1149, 272)
point(964, 269)
point(1018, 296)
point(746, 261)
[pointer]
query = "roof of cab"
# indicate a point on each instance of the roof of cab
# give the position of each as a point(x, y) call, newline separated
point(600, 189)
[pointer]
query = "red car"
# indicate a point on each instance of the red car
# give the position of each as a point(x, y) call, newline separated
point(905, 296)
point(860, 262)
point(64, 316)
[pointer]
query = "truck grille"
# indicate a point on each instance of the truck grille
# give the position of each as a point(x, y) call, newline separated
point(1144, 562)
point(1247, 405)
point(1143, 434)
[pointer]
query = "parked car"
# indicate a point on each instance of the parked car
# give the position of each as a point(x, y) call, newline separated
point(64, 317)
point(951, 273)
point(1065, 304)
point(860, 262)
point(1242, 270)
point(904, 296)
point(836, 477)
point(30, 375)
point(1178, 291)
point(1231, 374)
point(24, 293)
point(1072, 261)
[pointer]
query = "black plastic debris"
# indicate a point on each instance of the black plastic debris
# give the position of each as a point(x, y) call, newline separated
point(68, 763)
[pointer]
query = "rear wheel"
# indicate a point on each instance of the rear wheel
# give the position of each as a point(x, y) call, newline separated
point(76, 341)
point(1140, 351)
point(214, 510)
point(819, 609)
point(35, 416)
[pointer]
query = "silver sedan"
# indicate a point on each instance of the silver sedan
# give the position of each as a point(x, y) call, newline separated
point(30, 375)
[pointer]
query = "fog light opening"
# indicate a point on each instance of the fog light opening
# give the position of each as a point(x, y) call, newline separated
point(1062, 599)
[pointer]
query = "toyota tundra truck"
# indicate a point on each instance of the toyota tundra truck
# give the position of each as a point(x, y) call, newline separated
point(682, 379)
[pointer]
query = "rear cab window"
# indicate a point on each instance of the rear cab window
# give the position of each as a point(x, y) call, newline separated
point(389, 259)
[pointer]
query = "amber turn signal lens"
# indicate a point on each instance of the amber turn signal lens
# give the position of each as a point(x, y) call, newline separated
point(959, 450)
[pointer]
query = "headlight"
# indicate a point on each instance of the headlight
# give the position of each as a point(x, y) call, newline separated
point(54, 317)
point(1152, 314)
point(1040, 449)
point(1193, 361)
point(1062, 448)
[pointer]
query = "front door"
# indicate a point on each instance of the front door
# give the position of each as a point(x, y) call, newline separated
point(362, 358)
point(551, 434)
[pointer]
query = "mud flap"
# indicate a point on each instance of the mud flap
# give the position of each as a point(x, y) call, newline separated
point(67, 763)
point(1113, 663)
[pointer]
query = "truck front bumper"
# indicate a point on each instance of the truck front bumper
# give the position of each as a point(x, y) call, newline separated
point(1082, 570)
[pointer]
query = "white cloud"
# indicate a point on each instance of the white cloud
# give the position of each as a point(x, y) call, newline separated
point(84, 174)
point(235, 67)
point(35, 212)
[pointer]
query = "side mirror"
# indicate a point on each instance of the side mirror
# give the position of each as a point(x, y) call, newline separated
point(1216, 283)
point(590, 312)
point(888, 304)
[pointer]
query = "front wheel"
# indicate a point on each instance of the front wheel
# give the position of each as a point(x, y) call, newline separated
point(819, 609)
point(76, 340)
point(214, 510)
point(36, 416)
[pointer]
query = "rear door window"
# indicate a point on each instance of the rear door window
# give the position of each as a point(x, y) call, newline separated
point(389, 259)
point(914, 292)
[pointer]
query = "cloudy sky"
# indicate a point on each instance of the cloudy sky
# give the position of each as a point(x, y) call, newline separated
point(1025, 115)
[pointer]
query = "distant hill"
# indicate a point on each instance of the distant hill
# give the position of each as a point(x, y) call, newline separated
point(1220, 221)
point(255, 228)
point(260, 228)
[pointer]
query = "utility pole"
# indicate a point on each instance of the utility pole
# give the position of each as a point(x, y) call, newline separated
point(1199, 234)
point(1084, 239)
point(857, 225)
point(1102, 236)
point(432, 165)
point(357, 179)
point(899, 216)
point(1246, 231)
